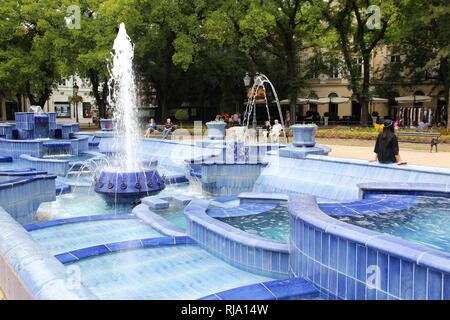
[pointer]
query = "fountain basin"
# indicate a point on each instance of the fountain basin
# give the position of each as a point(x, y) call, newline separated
point(304, 135)
point(123, 186)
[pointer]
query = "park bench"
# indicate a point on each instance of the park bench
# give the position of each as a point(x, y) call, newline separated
point(422, 137)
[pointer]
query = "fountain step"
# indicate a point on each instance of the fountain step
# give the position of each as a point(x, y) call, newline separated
point(181, 200)
point(155, 203)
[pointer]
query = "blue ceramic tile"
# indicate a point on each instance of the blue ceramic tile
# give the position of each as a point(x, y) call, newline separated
point(317, 245)
point(275, 261)
point(251, 292)
point(342, 286)
point(333, 275)
point(296, 287)
point(258, 258)
point(342, 255)
point(333, 251)
point(361, 267)
point(394, 276)
point(124, 245)
point(406, 282)
point(324, 277)
point(325, 248)
point(351, 259)
point(66, 258)
point(446, 287)
point(90, 252)
point(351, 289)
point(360, 291)
point(434, 285)
point(420, 283)
point(383, 267)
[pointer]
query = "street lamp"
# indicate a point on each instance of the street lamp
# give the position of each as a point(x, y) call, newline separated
point(75, 97)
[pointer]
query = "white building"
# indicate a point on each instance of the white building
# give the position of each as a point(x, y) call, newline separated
point(58, 102)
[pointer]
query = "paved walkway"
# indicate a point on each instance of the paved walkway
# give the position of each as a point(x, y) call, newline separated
point(418, 154)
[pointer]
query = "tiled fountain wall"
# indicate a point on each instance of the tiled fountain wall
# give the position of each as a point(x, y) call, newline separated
point(349, 262)
point(35, 148)
point(240, 248)
point(336, 178)
point(21, 197)
point(29, 271)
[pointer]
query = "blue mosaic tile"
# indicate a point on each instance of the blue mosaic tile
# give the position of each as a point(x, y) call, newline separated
point(351, 289)
point(351, 259)
point(251, 292)
point(420, 283)
point(434, 285)
point(124, 245)
point(342, 255)
point(342, 285)
point(394, 276)
point(360, 291)
point(406, 283)
point(446, 287)
point(333, 251)
point(383, 267)
point(361, 268)
point(66, 258)
point(333, 278)
point(90, 252)
point(284, 289)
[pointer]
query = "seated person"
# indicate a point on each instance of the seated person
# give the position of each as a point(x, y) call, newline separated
point(267, 128)
point(151, 128)
point(386, 148)
point(276, 130)
point(168, 128)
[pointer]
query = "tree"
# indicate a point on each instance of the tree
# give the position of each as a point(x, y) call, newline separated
point(270, 30)
point(358, 34)
point(31, 48)
point(425, 44)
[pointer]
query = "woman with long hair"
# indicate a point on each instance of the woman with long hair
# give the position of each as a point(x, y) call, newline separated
point(386, 147)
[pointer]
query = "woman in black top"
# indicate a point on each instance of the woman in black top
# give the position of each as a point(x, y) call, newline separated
point(386, 147)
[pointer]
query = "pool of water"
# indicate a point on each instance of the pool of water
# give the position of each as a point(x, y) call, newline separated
point(74, 236)
point(427, 223)
point(81, 202)
point(174, 273)
point(174, 214)
point(273, 224)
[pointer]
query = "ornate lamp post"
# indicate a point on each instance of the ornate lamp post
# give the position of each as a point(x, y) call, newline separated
point(75, 97)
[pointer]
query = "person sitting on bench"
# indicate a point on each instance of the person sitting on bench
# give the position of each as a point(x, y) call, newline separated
point(151, 128)
point(168, 128)
point(276, 131)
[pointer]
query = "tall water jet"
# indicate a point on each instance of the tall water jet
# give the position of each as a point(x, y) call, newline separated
point(123, 100)
point(128, 179)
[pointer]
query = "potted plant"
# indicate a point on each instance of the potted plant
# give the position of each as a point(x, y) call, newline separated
point(304, 135)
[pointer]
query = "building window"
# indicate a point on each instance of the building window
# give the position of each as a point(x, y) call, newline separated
point(87, 110)
point(395, 59)
point(63, 110)
point(334, 70)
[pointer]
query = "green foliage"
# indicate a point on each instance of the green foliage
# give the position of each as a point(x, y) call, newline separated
point(182, 115)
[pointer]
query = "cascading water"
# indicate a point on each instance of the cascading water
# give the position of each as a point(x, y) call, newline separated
point(128, 179)
point(124, 102)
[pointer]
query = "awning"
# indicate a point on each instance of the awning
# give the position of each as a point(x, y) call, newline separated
point(413, 99)
point(288, 101)
point(379, 100)
point(334, 100)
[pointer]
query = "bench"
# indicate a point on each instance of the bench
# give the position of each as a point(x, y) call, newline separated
point(422, 137)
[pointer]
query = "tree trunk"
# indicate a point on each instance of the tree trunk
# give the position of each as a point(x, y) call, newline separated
point(364, 96)
point(293, 90)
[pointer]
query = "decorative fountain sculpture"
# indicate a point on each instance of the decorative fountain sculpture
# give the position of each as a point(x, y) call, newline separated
point(128, 179)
